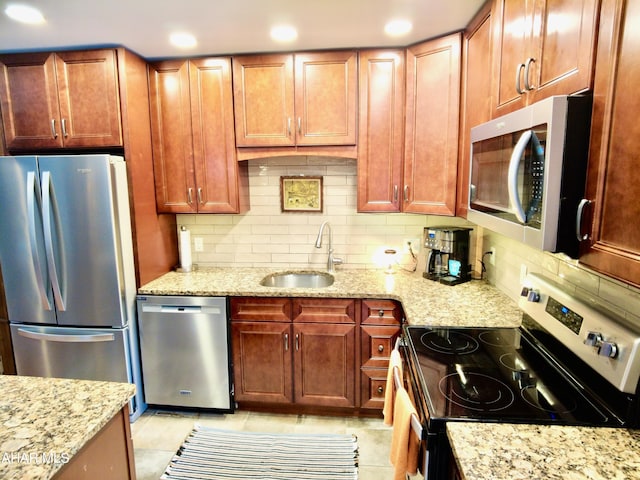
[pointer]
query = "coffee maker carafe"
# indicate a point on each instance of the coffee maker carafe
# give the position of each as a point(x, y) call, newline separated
point(448, 254)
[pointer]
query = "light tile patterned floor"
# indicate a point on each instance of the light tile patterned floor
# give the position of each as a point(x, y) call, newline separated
point(157, 434)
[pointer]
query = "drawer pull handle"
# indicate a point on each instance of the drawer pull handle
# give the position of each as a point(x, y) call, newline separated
point(381, 348)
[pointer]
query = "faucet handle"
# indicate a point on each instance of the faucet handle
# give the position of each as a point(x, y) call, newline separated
point(337, 261)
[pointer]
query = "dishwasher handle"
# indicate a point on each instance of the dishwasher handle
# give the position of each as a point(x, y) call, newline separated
point(181, 309)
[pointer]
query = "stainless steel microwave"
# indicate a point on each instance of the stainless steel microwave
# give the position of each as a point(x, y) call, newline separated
point(528, 172)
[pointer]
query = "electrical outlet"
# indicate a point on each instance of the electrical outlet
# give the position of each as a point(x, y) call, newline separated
point(198, 244)
point(492, 257)
point(415, 245)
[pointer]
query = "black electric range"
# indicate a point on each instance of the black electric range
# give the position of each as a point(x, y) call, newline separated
point(568, 364)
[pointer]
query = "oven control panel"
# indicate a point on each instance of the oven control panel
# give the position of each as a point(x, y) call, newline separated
point(606, 342)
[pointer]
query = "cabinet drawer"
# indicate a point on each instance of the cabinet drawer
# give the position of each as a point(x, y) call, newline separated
point(261, 309)
point(381, 312)
point(373, 383)
point(377, 343)
point(324, 310)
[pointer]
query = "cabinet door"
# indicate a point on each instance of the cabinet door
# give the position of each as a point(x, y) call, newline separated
point(264, 105)
point(325, 98)
point(475, 107)
point(262, 361)
point(613, 182)
point(512, 23)
point(325, 364)
point(380, 130)
point(216, 169)
point(172, 141)
point(89, 99)
point(565, 39)
point(29, 101)
point(431, 141)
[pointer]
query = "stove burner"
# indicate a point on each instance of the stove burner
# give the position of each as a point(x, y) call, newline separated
point(546, 402)
point(512, 362)
point(449, 342)
point(501, 338)
point(476, 391)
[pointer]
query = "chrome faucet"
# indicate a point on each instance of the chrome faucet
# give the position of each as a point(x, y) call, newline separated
point(331, 261)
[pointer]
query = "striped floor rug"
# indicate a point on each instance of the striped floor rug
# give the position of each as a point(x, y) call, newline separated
point(210, 453)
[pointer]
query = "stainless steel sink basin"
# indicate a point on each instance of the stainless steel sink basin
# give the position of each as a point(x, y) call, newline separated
point(298, 280)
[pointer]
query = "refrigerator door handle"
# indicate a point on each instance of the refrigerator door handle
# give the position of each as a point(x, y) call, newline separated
point(49, 208)
point(33, 195)
point(52, 337)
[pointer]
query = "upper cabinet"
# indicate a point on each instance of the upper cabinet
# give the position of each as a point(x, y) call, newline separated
point(193, 137)
point(380, 130)
point(432, 120)
point(475, 107)
point(613, 179)
point(306, 99)
point(60, 100)
point(541, 48)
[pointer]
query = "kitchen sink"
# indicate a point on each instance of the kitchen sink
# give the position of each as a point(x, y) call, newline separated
point(298, 280)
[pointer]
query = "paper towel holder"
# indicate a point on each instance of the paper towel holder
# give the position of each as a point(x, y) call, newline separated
point(184, 250)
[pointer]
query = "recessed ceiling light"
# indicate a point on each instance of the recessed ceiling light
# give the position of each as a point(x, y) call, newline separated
point(24, 14)
point(396, 28)
point(284, 33)
point(183, 40)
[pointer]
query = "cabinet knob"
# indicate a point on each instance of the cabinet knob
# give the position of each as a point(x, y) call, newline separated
point(381, 313)
point(381, 348)
point(380, 390)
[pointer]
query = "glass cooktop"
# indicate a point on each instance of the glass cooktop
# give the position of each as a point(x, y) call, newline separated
point(493, 374)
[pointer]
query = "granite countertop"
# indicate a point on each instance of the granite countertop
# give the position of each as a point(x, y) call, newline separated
point(44, 422)
point(474, 303)
point(487, 451)
point(484, 451)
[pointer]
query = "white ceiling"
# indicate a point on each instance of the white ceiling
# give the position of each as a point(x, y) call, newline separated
point(228, 26)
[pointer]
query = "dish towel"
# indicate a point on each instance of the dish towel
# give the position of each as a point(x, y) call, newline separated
point(404, 443)
point(389, 394)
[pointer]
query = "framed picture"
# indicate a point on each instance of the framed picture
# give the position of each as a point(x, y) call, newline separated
point(301, 194)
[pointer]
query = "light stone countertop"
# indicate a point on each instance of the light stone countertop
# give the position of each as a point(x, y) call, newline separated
point(474, 303)
point(484, 451)
point(487, 451)
point(44, 422)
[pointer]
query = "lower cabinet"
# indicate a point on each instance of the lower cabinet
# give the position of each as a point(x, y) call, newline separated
point(302, 358)
point(312, 352)
point(380, 327)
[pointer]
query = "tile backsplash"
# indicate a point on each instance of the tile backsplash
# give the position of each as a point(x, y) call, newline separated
point(265, 236)
point(513, 257)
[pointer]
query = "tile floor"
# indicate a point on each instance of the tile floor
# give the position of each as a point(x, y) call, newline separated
point(157, 434)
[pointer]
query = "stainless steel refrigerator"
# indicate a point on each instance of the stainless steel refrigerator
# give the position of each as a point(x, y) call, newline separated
point(66, 255)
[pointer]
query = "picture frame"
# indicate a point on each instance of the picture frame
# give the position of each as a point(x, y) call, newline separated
point(301, 194)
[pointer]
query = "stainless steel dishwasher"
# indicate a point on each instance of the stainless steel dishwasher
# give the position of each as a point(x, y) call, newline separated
point(184, 346)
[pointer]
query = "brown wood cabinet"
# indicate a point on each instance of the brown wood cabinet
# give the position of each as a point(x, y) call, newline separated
point(298, 351)
point(380, 327)
point(541, 48)
point(613, 178)
point(432, 119)
point(381, 130)
point(303, 99)
point(109, 454)
point(192, 125)
point(60, 100)
point(475, 107)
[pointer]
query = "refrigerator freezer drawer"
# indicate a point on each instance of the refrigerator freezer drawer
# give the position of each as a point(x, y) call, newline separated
point(81, 353)
point(184, 347)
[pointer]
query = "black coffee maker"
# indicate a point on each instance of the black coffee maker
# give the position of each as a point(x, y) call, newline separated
point(448, 254)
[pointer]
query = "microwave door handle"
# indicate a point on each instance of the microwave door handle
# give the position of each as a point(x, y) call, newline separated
point(512, 178)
